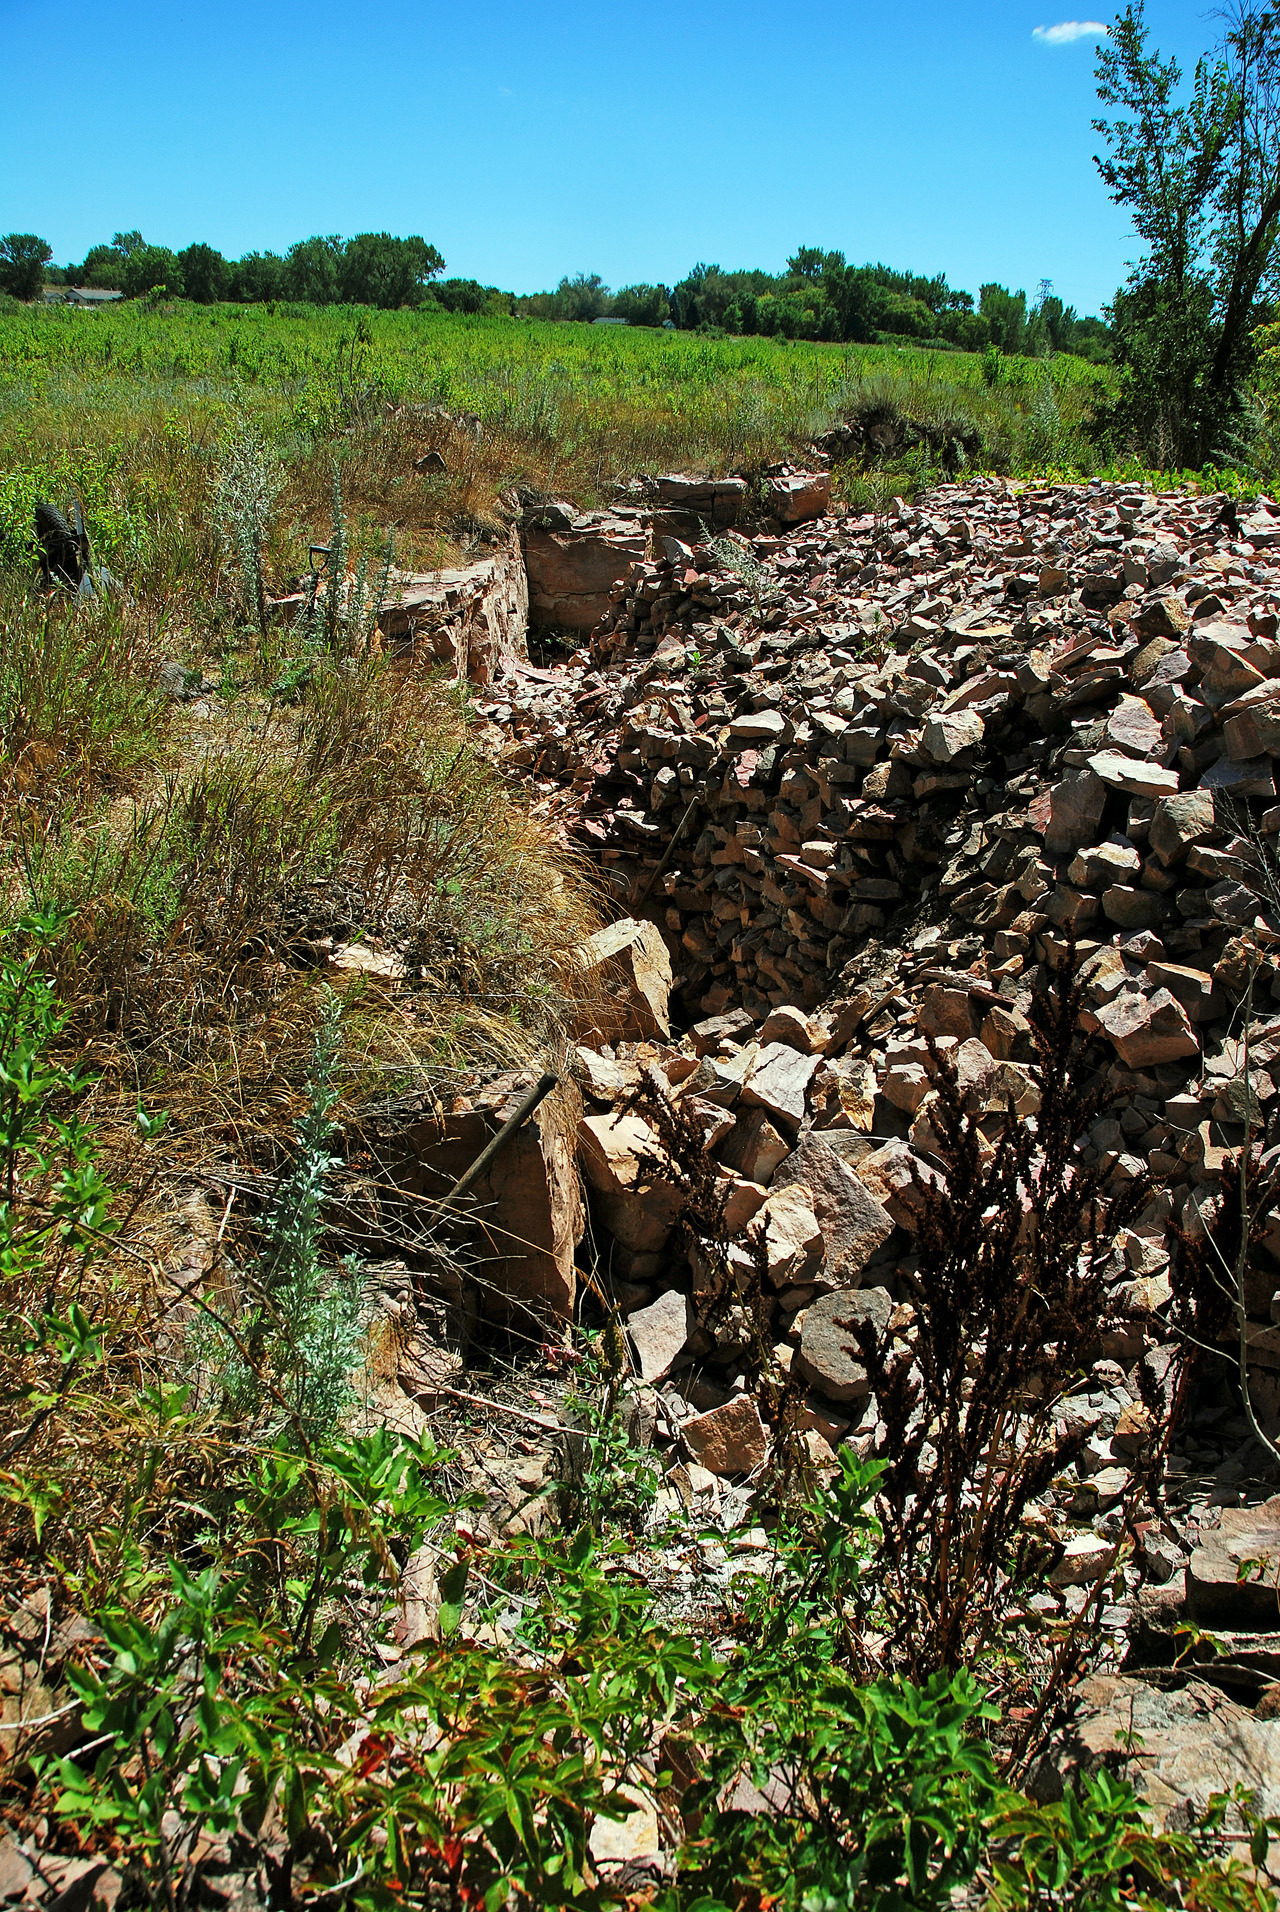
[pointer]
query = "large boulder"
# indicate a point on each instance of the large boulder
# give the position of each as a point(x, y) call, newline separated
point(476, 618)
point(525, 1212)
point(852, 1221)
point(828, 1356)
point(1231, 1581)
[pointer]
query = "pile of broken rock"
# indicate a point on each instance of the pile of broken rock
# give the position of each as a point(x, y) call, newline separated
point(866, 777)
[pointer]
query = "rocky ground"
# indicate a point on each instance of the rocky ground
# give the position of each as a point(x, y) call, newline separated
point(857, 780)
point(854, 782)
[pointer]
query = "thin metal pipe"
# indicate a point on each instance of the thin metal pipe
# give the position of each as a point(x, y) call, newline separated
point(519, 1116)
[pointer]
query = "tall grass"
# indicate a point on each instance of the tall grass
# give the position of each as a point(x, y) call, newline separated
point(80, 710)
point(133, 408)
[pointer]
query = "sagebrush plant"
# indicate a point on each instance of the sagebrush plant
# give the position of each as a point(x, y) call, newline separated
point(284, 1354)
point(250, 481)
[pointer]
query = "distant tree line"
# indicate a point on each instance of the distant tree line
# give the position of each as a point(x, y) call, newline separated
point(373, 268)
point(821, 296)
point(818, 296)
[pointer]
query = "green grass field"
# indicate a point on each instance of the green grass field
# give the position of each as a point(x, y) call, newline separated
point(127, 407)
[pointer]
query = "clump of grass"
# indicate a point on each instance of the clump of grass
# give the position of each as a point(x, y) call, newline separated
point(80, 708)
point(365, 812)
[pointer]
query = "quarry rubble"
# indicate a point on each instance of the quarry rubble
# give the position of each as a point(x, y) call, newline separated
point(853, 781)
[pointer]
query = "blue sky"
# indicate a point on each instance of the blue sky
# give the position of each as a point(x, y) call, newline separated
point(626, 137)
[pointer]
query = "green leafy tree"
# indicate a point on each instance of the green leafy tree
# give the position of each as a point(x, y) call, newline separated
point(150, 268)
point(467, 295)
point(1201, 180)
point(103, 269)
point(380, 270)
point(256, 278)
point(23, 258)
point(311, 270)
point(583, 297)
point(205, 274)
point(1006, 315)
point(642, 304)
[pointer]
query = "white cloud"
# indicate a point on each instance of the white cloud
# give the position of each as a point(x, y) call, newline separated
point(1068, 30)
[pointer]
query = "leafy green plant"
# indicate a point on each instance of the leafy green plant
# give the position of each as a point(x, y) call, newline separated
point(1097, 1849)
point(54, 1204)
point(610, 1480)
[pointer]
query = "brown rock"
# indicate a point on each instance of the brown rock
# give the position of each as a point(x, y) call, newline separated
point(900, 1182)
point(796, 1029)
point(1128, 774)
point(792, 1233)
point(526, 1209)
point(660, 1333)
point(637, 957)
point(948, 1012)
point(572, 570)
point(476, 618)
point(853, 1223)
point(755, 1148)
point(1231, 1581)
point(729, 1439)
point(778, 1082)
point(1134, 729)
point(1075, 812)
point(1163, 616)
point(828, 1340)
point(803, 495)
point(1180, 821)
point(621, 1158)
point(1148, 1029)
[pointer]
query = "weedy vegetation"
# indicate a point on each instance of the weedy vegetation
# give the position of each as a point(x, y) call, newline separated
point(199, 805)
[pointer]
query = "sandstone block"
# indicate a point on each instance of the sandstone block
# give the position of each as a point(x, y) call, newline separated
point(729, 1439)
point(1134, 729)
point(572, 570)
point(828, 1356)
point(778, 1082)
point(638, 960)
point(526, 1210)
point(1148, 1029)
point(792, 1234)
point(755, 1148)
point(1138, 779)
point(802, 495)
point(946, 735)
point(1231, 1581)
point(1180, 821)
point(621, 1158)
point(660, 1333)
point(1075, 813)
point(853, 1223)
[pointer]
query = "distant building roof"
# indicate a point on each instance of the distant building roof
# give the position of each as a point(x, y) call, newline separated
point(610, 321)
point(79, 295)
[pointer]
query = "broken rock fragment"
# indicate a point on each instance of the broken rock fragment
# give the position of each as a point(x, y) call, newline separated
point(659, 1334)
point(853, 1223)
point(621, 1158)
point(637, 951)
point(728, 1440)
point(828, 1355)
